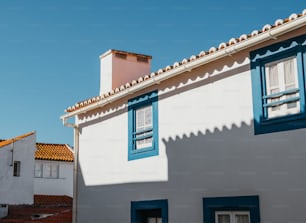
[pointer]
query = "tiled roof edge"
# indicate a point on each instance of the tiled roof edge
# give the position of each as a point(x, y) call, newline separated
point(9, 141)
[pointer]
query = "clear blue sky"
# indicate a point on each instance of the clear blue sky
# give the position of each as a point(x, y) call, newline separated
point(49, 50)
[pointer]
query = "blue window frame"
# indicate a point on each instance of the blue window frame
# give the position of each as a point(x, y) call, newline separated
point(278, 86)
point(149, 211)
point(143, 126)
point(212, 205)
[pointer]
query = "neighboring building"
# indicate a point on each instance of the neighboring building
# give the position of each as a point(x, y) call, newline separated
point(53, 169)
point(219, 137)
point(16, 171)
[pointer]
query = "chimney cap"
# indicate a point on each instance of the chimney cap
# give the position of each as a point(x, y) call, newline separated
point(113, 51)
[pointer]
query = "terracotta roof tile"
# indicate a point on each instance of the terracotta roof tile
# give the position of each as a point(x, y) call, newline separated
point(45, 209)
point(55, 152)
point(212, 50)
point(9, 141)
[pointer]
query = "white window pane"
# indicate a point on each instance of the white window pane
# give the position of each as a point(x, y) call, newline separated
point(139, 119)
point(242, 218)
point(273, 84)
point(47, 170)
point(148, 116)
point(289, 72)
point(273, 76)
point(151, 220)
point(38, 170)
point(144, 122)
point(54, 171)
point(144, 118)
point(145, 143)
point(223, 218)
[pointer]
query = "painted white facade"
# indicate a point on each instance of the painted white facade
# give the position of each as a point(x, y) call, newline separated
point(17, 189)
point(207, 148)
point(61, 184)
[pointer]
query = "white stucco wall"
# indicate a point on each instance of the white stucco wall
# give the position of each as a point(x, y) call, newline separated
point(63, 185)
point(207, 148)
point(17, 190)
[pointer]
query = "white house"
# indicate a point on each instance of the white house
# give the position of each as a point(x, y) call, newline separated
point(53, 172)
point(16, 171)
point(216, 138)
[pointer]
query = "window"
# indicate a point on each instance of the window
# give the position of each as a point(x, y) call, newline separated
point(242, 209)
point(143, 126)
point(155, 211)
point(50, 170)
point(232, 217)
point(16, 167)
point(38, 171)
point(278, 85)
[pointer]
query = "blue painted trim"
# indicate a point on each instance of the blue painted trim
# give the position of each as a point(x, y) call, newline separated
point(243, 203)
point(150, 98)
point(279, 94)
point(138, 206)
point(292, 47)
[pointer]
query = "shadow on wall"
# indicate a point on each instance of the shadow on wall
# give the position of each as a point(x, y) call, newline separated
point(189, 80)
point(228, 162)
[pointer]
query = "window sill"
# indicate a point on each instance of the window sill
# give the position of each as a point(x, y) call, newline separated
point(142, 153)
point(283, 123)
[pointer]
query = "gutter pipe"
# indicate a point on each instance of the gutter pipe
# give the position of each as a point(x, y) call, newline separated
point(75, 168)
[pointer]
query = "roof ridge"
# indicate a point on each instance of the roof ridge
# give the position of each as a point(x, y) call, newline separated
point(213, 49)
point(9, 141)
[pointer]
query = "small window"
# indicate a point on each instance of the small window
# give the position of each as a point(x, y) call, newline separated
point(50, 170)
point(143, 126)
point(232, 217)
point(16, 169)
point(282, 89)
point(241, 209)
point(278, 86)
point(155, 211)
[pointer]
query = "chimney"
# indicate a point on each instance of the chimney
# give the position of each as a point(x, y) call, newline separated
point(120, 67)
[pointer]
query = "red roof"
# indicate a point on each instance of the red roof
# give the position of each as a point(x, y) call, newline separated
point(56, 209)
point(55, 152)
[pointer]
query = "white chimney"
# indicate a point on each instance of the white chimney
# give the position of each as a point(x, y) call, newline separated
point(120, 67)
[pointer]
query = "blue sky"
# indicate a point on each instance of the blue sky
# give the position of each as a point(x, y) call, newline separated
point(49, 50)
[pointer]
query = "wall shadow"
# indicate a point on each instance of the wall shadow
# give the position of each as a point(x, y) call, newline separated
point(228, 162)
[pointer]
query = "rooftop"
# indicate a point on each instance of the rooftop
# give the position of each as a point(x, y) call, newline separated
point(54, 152)
point(245, 40)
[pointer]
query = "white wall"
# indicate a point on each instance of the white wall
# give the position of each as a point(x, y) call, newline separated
point(56, 186)
point(207, 149)
point(17, 190)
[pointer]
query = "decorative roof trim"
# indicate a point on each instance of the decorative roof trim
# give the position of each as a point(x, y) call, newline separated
point(234, 45)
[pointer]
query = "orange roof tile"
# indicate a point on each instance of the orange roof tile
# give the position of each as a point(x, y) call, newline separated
point(222, 46)
point(9, 141)
point(55, 152)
